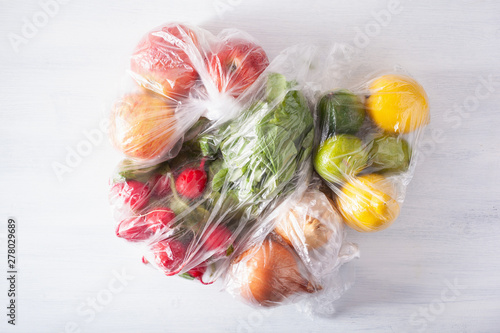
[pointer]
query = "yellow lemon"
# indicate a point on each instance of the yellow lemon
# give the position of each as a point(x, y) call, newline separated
point(398, 104)
point(368, 203)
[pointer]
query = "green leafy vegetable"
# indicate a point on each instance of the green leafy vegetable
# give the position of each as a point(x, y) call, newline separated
point(263, 148)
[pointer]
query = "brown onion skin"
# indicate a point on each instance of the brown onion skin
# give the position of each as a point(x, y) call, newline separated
point(272, 274)
point(306, 223)
point(315, 233)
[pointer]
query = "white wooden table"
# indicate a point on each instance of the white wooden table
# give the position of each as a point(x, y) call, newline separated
point(437, 269)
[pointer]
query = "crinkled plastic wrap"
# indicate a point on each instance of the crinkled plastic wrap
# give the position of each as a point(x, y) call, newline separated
point(366, 149)
point(181, 73)
point(215, 139)
point(300, 260)
point(220, 149)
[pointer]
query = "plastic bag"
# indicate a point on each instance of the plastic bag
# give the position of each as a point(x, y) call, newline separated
point(243, 141)
point(180, 74)
point(221, 146)
point(364, 153)
point(300, 260)
point(366, 150)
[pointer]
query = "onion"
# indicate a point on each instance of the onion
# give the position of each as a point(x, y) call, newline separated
point(311, 221)
point(271, 274)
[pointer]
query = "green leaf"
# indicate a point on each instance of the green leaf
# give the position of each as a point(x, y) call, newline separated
point(129, 169)
point(186, 276)
point(229, 250)
point(218, 180)
point(276, 86)
point(263, 148)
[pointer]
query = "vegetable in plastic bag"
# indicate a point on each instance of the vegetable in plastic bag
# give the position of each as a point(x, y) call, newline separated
point(192, 210)
point(301, 260)
point(368, 162)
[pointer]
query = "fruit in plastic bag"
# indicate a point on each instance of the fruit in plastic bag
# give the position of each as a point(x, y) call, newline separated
point(398, 104)
point(235, 64)
point(368, 203)
point(390, 154)
point(143, 126)
point(161, 61)
point(339, 157)
point(340, 112)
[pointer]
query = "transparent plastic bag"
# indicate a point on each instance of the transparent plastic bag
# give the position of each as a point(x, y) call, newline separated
point(366, 149)
point(300, 260)
point(364, 152)
point(181, 73)
point(194, 209)
point(220, 148)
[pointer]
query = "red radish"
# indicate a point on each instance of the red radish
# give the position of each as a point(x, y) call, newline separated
point(217, 239)
point(132, 229)
point(159, 218)
point(143, 227)
point(192, 181)
point(160, 185)
point(169, 255)
point(132, 193)
point(198, 271)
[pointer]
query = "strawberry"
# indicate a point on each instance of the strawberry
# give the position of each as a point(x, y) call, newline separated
point(160, 185)
point(192, 181)
point(218, 240)
point(169, 255)
point(132, 193)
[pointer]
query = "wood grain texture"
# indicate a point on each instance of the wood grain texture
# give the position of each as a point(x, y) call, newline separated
point(61, 82)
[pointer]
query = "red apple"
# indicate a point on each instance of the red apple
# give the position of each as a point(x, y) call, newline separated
point(161, 63)
point(236, 64)
point(143, 126)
